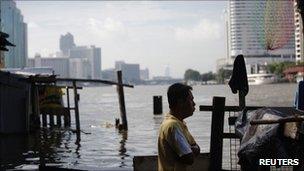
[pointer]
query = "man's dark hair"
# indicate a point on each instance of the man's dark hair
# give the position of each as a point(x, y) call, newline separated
point(177, 92)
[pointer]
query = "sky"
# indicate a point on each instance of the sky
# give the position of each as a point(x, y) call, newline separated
point(180, 35)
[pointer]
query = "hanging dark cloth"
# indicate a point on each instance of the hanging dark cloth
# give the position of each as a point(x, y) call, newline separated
point(299, 97)
point(238, 80)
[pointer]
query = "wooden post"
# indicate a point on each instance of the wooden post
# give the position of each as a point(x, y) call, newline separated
point(58, 117)
point(51, 116)
point(35, 117)
point(121, 98)
point(76, 111)
point(217, 126)
point(157, 105)
point(67, 116)
point(44, 120)
point(242, 101)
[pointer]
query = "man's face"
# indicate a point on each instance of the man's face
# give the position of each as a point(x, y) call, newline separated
point(188, 107)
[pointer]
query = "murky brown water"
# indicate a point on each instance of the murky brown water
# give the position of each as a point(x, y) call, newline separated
point(105, 146)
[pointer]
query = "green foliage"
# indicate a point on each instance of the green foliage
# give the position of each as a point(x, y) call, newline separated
point(278, 67)
point(208, 76)
point(192, 75)
point(223, 74)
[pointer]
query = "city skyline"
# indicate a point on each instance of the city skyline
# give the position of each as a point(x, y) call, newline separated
point(154, 34)
point(12, 23)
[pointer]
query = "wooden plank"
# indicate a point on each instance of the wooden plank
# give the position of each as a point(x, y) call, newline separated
point(230, 135)
point(42, 79)
point(121, 99)
point(217, 125)
point(53, 79)
point(94, 81)
point(232, 120)
point(63, 87)
point(228, 108)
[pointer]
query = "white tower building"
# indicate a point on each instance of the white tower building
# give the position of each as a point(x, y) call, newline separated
point(298, 35)
point(261, 30)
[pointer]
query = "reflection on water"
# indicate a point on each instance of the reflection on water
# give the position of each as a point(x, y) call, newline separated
point(42, 146)
point(107, 147)
point(14, 150)
point(47, 146)
point(122, 148)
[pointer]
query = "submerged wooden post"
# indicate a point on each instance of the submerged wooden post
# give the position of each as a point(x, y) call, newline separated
point(44, 120)
point(58, 118)
point(51, 120)
point(157, 105)
point(121, 97)
point(67, 116)
point(217, 126)
point(76, 110)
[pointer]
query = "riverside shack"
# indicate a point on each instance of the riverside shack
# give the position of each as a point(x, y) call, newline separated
point(14, 103)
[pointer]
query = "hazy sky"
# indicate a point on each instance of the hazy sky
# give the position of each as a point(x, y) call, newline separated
point(180, 34)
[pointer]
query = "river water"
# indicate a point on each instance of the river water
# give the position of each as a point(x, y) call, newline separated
point(103, 146)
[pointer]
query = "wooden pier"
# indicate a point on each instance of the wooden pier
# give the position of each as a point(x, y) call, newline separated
point(51, 117)
point(63, 114)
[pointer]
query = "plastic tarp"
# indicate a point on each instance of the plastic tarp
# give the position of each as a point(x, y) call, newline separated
point(265, 141)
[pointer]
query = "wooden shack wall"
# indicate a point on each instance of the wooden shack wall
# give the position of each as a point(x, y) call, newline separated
point(14, 104)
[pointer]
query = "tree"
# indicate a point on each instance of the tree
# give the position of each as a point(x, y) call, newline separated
point(223, 74)
point(278, 67)
point(208, 76)
point(192, 75)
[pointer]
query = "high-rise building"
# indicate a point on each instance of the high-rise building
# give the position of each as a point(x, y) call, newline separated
point(298, 35)
point(144, 74)
point(130, 72)
point(66, 43)
point(60, 65)
point(93, 54)
point(167, 71)
point(118, 64)
point(109, 74)
point(261, 30)
point(81, 68)
point(12, 23)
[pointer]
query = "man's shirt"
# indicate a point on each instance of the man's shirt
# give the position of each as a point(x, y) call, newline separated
point(174, 141)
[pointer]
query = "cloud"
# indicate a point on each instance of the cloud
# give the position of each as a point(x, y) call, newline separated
point(33, 25)
point(107, 28)
point(205, 30)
